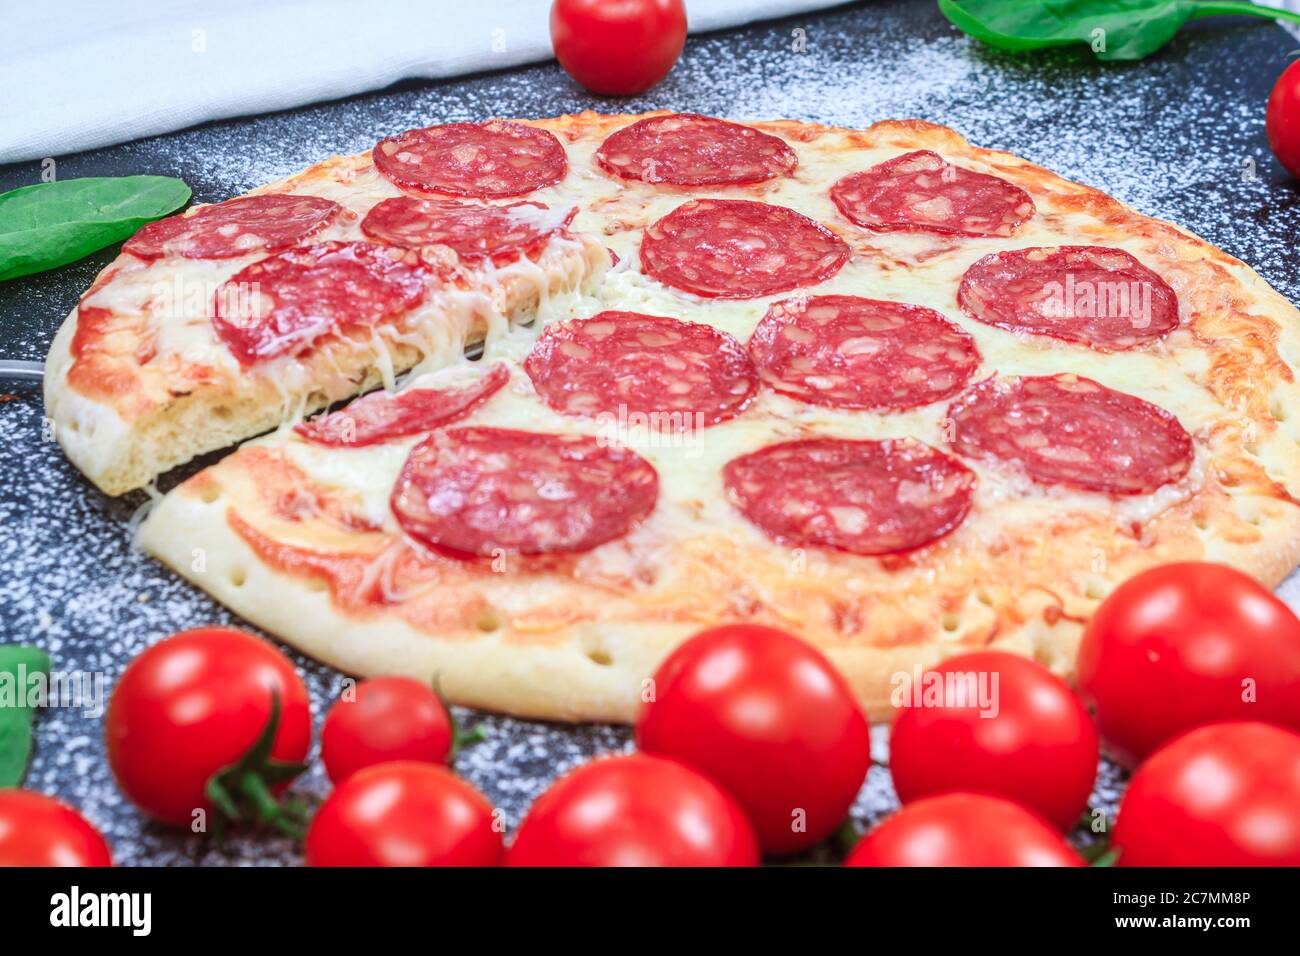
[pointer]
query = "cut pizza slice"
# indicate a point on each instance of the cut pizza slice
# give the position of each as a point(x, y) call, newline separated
point(223, 322)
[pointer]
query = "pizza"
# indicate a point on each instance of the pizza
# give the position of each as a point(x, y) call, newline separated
point(895, 393)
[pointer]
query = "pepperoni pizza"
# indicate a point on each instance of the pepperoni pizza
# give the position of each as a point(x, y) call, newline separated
point(899, 394)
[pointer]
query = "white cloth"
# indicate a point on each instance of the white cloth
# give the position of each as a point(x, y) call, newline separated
point(87, 73)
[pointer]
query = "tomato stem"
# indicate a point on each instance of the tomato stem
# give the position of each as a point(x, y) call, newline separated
point(847, 836)
point(252, 787)
point(460, 739)
point(466, 738)
point(243, 790)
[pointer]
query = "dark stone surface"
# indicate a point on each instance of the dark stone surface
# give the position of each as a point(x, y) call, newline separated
point(1175, 136)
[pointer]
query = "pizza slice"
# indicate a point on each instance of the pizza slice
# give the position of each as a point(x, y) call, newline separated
point(227, 320)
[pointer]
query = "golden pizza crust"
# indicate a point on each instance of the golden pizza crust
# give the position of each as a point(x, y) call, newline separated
point(304, 556)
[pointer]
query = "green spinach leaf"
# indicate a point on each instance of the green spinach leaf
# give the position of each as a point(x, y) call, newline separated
point(17, 663)
point(52, 224)
point(1114, 29)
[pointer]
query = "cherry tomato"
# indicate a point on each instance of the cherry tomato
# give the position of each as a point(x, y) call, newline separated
point(404, 813)
point(194, 704)
point(1033, 743)
point(36, 830)
point(768, 718)
point(390, 718)
point(618, 47)
point(634, 810)
point(963, 829)
point(1185, 644)
point(1225, 794)
point(1282, 119)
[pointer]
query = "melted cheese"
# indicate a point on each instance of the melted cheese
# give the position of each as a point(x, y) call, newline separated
point(907, 267)
point(175, 298)
point(574, 637)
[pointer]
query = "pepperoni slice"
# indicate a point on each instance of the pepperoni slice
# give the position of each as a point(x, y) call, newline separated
point(234, 228)
point(1069, 430)
point(483, 160)
point(501, 233)
point(1094, 295)
point(864, 497)
point(476, 491)
point(382, 416)
point(283, 304)
point(739, 249)
point(923, 192)
point(687, 149)
point(848, 352)
point(680, 375)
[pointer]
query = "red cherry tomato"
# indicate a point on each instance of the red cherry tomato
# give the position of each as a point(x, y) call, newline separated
point(390, 718)
point(404, 814)
point(1222, 795)
point(1034, 743)
point(194, 704)
point(963, 829)
point(1282, 119)
point(1185, 644)
point(618, 47)
point(634, 810)
point(768, 718)
point(36, 830)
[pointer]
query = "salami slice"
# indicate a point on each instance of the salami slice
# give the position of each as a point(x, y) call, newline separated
point(484, 160)
point(864, 497)
point(739, 249)
point(686, 149)
point(1068, 430)
point(849, 352)
point(502, 233)
point(679, 375)
point(234, 228)
point(922, 192)
point(1093, 295)
point(283, 304)
point(477, 491)
point(382, 416)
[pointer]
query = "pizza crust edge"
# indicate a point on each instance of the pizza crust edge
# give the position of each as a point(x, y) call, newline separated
point(596, 671)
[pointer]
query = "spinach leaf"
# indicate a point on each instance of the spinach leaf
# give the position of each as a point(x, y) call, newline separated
point(52, 224)
point(17, 663)
point(1114, 29)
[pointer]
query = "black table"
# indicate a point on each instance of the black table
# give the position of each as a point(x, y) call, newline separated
point(1179, 136)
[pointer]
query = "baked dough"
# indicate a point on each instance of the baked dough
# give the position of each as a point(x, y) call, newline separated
point(299, 538)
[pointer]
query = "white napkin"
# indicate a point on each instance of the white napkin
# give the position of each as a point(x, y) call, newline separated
point(86, 73)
